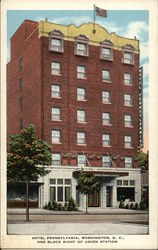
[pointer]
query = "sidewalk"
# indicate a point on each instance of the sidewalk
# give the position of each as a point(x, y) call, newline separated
point(91, 210)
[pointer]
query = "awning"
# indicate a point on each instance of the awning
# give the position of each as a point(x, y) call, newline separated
point(103, 173)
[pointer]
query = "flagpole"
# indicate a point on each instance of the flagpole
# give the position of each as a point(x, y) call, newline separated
point(94, 20)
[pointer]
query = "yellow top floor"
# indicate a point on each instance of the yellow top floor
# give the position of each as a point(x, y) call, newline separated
point(72, 31)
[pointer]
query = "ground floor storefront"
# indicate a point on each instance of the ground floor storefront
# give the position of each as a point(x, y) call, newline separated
point(115, 185)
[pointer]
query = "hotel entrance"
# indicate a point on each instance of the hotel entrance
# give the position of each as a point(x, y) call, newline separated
point(94, 199)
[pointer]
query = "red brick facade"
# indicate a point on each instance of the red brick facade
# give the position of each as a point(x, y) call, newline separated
point(37, 100)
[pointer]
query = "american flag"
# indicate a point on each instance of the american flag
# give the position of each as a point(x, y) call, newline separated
point(100, 12)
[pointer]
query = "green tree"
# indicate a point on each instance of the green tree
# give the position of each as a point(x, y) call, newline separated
point(87, 183)
point(26, 158)
point(143, 159)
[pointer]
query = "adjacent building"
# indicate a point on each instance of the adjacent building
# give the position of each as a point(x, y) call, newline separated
point(83, 92)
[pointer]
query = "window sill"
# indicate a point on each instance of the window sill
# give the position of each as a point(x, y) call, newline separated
point(107, 59)
point(128, 105)
point(82, 78)
point(81, 122)
point(56, 97)
point(56, 120)
point(131, 64)
point(53, 74)
point(76, 54)
point(128, 84)
point(56, 51)
point(79, 144)
point(108, 81)
point(107, 103)
point(128, 126)
point(107, 146)
point(81, 100)
point(128, 147)
point(107, 124)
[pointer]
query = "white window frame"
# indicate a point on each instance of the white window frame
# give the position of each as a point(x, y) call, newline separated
point(106, 162)
point(55, 68)
point(128, 141)
point(106, 56)
point(81, 71)
point(56, 114)
point(81, 96)
point(106, 75)
point(106, 140)
point(106, 97)
point(106, 118)
point(81, 138)
point(127, 99)
point(82, 49)
point(56, 159)
point(128, 162)
point(56, 138)
point(58, 47)
point(128, 57)
point(63, 185)
point(81, 116)
point(55, 93)
point(127, 78)
point(81, 160)
point(128, 120)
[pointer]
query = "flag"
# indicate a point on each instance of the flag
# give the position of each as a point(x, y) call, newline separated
point(100, 12)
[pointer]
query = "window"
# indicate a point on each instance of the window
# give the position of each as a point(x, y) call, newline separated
point(56, 136)
point(21, 123)
point(124, 193)
point(128, 57)
point(21, 83)
point(128, 100)
point(81, 137)
point(81, 159)
point(81, 115)
point(105, 75)
point(106, 118)
point(106, 161)
point(127, 78)
point(125, 183)
point(106, 98)
point(107, 53)
point(128, 141)
point(81, 72)
point(128, 162)
point(132, 182)
point(55, 66)
point(55, 91)
point(119, 182)
point(81, 94)
point(20, 63)
point(56, 116)
point(21, 103)
point(60, 190)
point(56, 159)
point(56, 45)
point(128, 120)
point(106, 50)
point(82, 49)
point(106, 140)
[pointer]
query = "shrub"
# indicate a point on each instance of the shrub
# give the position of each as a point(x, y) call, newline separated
point(127, 206)
point(54, 205)
point(59, 207)
point(142, 205)
point(132, 206)
point(121, 205)
point(72, 205)
point(65, 208)
point(136, 206)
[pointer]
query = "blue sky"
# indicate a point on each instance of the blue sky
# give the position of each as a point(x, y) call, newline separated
point(125, 23)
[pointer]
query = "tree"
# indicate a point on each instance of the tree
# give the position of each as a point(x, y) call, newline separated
point(87, 183)
point(143, 159)
point(26, 158)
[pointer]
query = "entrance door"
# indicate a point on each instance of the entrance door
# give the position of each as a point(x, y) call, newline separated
point(93, 199)
point(108, 196)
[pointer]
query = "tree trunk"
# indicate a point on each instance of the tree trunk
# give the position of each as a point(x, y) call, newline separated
point(27, 201)
point(86, 203)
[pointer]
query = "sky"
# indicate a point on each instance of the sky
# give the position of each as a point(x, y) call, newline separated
point(127, 23)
